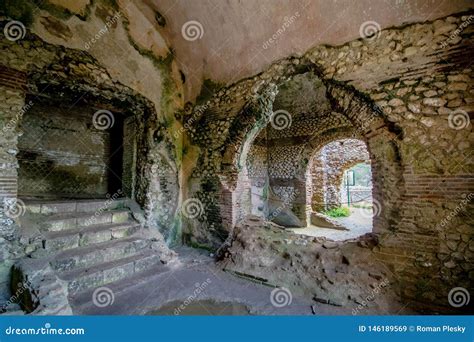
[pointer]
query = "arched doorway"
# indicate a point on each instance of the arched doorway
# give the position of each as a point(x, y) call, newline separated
point(339, 191)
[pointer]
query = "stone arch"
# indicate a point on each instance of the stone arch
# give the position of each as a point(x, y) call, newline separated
point(324, 177)
point(382, 138)
point(365, 120)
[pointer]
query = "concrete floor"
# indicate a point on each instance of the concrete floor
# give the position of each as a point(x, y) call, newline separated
point(223, 294)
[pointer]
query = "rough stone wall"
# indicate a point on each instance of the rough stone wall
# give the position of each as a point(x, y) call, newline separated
point(12, 102)
point(106, 41)
point(408, 93)
point(327, 169)
point(31, 66)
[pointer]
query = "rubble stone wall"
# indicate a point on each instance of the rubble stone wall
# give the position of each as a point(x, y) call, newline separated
point(407, 93)
point(31, 68)
point(326, 171)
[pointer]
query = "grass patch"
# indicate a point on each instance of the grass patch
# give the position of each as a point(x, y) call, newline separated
point(338, 212)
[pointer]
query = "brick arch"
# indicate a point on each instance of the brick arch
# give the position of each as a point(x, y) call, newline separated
point(382, 137)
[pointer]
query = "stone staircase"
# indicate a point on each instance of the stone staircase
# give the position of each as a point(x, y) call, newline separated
point(83, 245)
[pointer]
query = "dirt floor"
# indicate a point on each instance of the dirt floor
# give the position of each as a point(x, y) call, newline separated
point(358, 223)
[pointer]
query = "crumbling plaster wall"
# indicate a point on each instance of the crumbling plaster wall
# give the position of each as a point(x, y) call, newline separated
point(55, 58)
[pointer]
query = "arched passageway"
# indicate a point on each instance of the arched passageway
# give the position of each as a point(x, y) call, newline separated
point(339, 191)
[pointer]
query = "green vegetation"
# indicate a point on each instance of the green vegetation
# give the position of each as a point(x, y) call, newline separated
point(21, 10)
point(338, 212)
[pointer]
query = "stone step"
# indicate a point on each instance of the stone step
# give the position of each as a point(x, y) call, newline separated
point(98, 253)
point(84, 298)
point(73, 206)
point(65, 221)
point(84, 236)
point(89, 277)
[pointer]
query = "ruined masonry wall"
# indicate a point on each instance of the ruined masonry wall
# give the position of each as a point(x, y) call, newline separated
point(327, 171)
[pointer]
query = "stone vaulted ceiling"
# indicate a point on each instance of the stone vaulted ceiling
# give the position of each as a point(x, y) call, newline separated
point(234, 41)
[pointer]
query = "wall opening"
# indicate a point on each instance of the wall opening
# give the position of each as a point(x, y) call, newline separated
point(65, 153)
point(339, 191)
